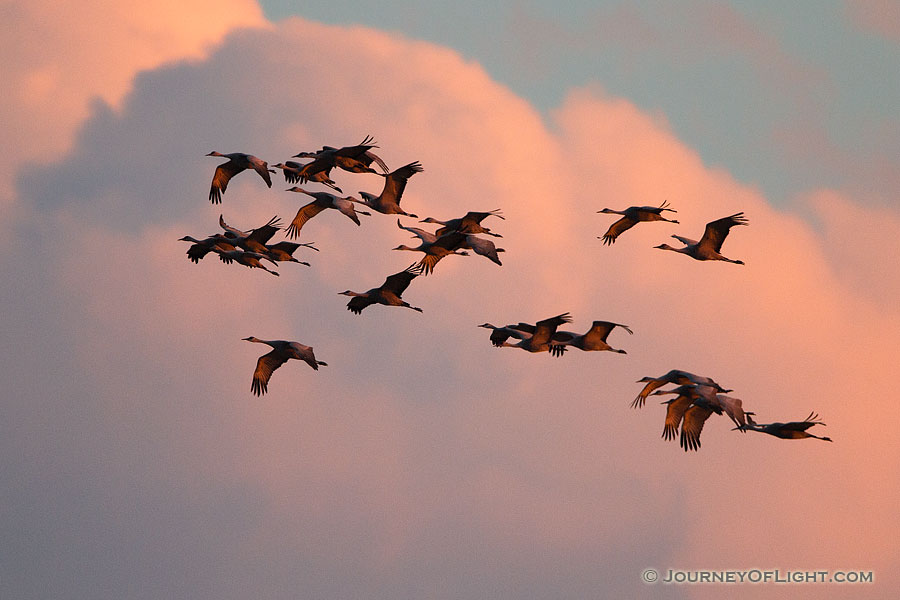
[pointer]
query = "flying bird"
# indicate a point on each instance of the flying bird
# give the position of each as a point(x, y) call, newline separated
point(795, 430)
point(434, 247)
point(281, 352)
point(201, 248)
point(322, 201)
point(388, 202)
point(355, 159)
point(710, 244)
point(237, 162)
point(673, 376)
point(631, 216)
point(540, 338)
point(593, 340)
point(733, 407)
point(468, 223)
point(388, 293)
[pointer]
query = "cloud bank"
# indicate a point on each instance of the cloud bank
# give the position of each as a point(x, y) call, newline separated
point(421, 462)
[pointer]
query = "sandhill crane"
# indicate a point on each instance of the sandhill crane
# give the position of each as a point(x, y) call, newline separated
point(540, 338)
point(673, 376)
point(795, 430)
point(593, 339)
point(388, 202)
point(733, 407)
point(355, 159)
point(434, 247)
point(711, 243)
point(631, 216)
point(468, 223)
point(520, 331)
point(237, 162)
point(201, 248)
point(292, 174)
point(255, 241)
point(388, 293)
point(322, 201)
point(248, 259)
point(282, 351)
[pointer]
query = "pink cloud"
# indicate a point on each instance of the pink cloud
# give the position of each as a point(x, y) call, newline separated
point(881, 17)
point(59, 57)
point(423, 462)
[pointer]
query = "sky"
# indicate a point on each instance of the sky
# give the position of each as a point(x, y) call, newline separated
point(422, 462)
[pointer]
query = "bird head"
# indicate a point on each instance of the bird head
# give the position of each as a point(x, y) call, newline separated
point(214, 153)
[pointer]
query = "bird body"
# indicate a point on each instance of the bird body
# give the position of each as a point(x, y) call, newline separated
point(281, 352)
point(237, 162)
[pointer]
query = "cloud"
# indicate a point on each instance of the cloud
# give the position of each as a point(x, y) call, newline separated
point(421, 462)
point(876, 16)
point(62, 57)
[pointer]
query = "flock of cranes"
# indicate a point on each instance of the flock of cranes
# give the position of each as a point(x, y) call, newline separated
point(696, 397)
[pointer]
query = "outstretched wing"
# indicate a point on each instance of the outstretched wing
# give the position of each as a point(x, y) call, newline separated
point(716, 231)
point(616, 229)
point(398, 282)
point(221, 177)
point(694, 418)
point(484, 248)
point(395, 183)
point(544, 330)
point(266, 364)
point(264, 234)
point(423, 235)
point(600, 330)
point(674, 414)
point(262, 168)
point(303, 215)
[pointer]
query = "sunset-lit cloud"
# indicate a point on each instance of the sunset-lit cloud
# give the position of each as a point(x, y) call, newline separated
point(422, 462)
point(63, 56)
